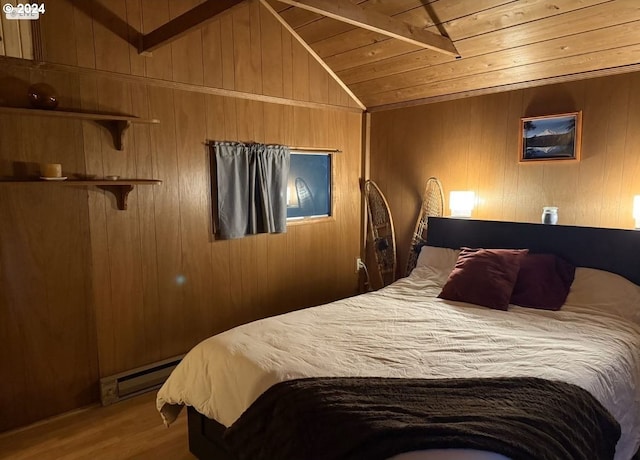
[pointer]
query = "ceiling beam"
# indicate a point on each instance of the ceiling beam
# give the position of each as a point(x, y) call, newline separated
point(315, 55)
point(345, 11)
point(193, 19)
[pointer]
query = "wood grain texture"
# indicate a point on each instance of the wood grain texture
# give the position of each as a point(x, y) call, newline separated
point(26, 40)
point(59, 40)
point(530, 37)
point(583, 20)
point(110, 35)
point(228, 53)
point(345, 11)
point(354, 101)
point(504, 44)
point(15, 38)
point(465, 25)
point(127, 288)
point(187, 51)
point(45, 280)
point(606, 39)
point(195, 214)
point(472, 144)
point(154, 14)
point(123, 238)
point(272, 56)
point(193, 17)
point(220, 249)
point(410, 11)
point(212, 55)
point(145, 167)
point(131, 429)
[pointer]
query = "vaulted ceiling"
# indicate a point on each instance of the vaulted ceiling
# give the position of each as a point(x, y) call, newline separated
point(503, 44)
point(391, 53)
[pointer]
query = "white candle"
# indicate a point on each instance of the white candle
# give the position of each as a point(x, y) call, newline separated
point(51, 170)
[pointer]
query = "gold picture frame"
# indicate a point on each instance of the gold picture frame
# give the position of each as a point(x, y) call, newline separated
point(551, 138)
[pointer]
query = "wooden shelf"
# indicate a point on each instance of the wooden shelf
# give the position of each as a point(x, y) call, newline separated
point(120, 188)
point(116, 124)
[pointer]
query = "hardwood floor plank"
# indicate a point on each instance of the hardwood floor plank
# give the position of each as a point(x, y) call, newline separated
point(131, 429)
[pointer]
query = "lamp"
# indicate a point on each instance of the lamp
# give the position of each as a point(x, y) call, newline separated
point(636, 210)
point(461, 203)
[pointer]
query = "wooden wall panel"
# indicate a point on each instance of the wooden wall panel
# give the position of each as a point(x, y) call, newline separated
point(159, 281)
point(187, 51)
point(60, 35)
point(287, 66)
point(84, 35)
point(167, 210)
point(212, 55)
point(300, 65)
point(272, 56)
point(220, 250)
point(135, 24)
point(154, 14)
point(145, 200)
point(195, 212)
point(49, 359)
point(227, 52)
point(110, 35)
point(472, 144)
point(123, 239)
point(15, 38)
point(87, 290)
point(246, 51)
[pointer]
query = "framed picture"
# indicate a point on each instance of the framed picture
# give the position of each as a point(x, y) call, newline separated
point(551, 137)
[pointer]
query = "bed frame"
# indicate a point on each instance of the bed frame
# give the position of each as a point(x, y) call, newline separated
point(613, 250)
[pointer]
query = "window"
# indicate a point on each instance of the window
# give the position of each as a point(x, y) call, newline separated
point(309, 186)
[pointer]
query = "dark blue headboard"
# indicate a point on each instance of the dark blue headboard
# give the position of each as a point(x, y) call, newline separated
point(613, 250)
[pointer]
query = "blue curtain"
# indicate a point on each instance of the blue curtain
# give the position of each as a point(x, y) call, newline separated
point(252, 188)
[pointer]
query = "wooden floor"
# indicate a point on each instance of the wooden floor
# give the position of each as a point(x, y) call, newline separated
point(131, 429)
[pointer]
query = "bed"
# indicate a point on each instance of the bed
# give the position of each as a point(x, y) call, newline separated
point(405, 333)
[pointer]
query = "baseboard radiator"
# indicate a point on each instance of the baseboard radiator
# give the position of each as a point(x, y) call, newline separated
point(136, 381)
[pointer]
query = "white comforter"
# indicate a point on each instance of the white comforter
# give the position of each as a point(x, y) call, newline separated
point(405, 331)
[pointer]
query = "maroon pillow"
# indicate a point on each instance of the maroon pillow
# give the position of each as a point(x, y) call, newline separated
point(484, 277)
point(543, 282)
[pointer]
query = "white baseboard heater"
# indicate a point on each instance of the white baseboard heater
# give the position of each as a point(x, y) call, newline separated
point(136, 381)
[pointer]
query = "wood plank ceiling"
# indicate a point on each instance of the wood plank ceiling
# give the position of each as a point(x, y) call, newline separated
point(503, 44)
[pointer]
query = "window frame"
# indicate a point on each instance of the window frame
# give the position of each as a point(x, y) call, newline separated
point(292, 221)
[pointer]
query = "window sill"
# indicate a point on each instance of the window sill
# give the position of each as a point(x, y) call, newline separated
point(309, 220)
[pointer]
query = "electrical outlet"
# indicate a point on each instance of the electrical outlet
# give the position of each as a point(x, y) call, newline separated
point(359, 264)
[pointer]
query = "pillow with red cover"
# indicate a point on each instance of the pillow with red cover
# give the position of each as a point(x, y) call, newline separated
point(543, 282)
point(484, 277)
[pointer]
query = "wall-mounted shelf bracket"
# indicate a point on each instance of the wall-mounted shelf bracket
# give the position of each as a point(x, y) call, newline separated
point(121, 192)
point(118, 129)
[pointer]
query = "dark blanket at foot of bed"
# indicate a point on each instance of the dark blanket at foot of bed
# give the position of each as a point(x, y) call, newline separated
point(376, 418)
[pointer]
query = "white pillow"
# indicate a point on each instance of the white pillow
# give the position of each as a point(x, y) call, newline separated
point(432, 268)
point(605, 291)
point(438, 258)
